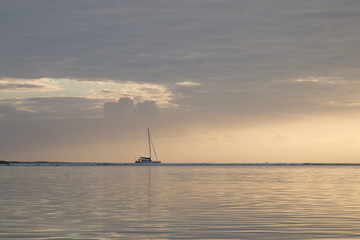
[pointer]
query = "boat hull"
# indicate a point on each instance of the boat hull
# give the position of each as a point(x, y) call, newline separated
point(146, 160)
point(152, 162)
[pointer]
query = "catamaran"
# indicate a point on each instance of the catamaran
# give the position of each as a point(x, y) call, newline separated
point(148, 159)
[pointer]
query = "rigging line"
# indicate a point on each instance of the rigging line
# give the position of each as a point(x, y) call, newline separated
point(146, 146)
point(152, 144)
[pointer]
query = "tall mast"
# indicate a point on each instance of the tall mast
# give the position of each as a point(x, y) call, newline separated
point(149, 143)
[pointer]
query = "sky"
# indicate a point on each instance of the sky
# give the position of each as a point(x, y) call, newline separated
point(235, 81)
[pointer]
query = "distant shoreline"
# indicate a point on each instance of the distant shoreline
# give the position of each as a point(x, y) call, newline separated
point(47, 163)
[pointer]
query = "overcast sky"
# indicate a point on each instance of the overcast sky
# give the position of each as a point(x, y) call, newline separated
point(215, 80)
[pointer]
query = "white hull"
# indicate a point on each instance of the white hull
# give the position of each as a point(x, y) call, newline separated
point(152, 162)
point(145, 160)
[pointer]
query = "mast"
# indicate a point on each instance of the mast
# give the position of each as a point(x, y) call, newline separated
point(149, 143)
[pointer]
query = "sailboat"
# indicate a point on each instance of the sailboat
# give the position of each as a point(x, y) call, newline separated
point(147, 160)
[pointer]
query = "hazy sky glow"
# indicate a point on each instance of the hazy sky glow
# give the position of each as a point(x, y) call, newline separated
point(215, 80)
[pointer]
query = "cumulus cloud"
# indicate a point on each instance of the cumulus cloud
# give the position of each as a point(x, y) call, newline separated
point(147, 108)
point(125, 108)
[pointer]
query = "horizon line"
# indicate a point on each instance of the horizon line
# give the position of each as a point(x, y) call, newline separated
point(49, 163)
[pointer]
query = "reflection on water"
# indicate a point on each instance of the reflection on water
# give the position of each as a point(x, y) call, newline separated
point(180, 202)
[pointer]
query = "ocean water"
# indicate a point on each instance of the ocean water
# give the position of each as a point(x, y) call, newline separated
point(180, 202)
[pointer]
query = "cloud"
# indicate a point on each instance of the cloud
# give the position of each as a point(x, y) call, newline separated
point(9, 109)
point(51, 108)
point(147, 108)
point(81, 97)
point(28, 85)
point(187, 84)
point(242, 54)
point(139, 92)
point(125, 109)
point(106, 89)
point(162, 42)
point(323, 80)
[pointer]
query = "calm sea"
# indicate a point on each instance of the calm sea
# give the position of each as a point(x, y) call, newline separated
point(180, 202)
